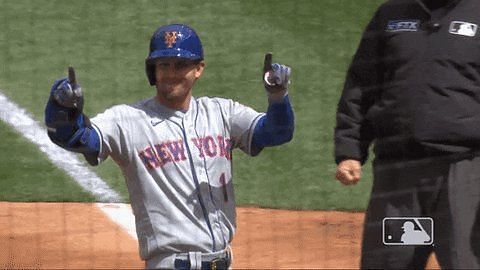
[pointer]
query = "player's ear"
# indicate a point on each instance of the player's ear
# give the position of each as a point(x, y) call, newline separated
point(199, 69)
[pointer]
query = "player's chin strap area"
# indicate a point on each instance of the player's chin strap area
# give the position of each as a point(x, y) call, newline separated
point(204, 261)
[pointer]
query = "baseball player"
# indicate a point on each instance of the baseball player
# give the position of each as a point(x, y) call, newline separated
point(175, 150)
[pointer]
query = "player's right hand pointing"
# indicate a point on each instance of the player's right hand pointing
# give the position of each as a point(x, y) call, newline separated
point(276, 77)
point(67, 92)
point(349, 171)
point(64, 106)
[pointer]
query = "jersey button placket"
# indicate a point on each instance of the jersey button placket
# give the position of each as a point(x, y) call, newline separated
point(189, 134)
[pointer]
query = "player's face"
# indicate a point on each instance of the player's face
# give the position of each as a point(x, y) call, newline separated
point(175, 79)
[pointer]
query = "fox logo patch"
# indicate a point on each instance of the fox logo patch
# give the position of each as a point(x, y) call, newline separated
point(402, 25)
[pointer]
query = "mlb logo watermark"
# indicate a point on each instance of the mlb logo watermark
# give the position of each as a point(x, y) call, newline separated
point(463, 28)
point(407, 231)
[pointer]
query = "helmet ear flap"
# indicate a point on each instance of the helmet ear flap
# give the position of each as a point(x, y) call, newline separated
point(150, 70)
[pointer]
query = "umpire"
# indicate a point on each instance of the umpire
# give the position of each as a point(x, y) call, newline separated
point(413, 89)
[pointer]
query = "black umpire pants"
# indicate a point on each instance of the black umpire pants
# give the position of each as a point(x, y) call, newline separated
point(447, 189)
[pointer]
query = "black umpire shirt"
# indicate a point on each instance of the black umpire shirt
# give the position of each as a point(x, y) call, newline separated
point(413, 86)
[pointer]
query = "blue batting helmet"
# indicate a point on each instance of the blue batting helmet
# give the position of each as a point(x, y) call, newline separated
point(174, 40)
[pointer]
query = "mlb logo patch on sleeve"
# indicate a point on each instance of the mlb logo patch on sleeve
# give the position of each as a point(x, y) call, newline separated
point(402, 25)
point(463, 28)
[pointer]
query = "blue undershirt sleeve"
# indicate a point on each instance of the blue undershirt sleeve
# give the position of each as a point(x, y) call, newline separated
point(276, 126)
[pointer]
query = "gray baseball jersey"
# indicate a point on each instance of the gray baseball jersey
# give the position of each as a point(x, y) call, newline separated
point(178, 169)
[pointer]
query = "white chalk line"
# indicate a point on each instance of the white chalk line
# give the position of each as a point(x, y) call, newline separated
point(121, 214)
point(21, 121)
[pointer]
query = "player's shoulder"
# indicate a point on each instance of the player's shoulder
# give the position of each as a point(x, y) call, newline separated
point(214, 101)
point(218, 104)
point(118, 109)
point(142, 105)
point(121, 109)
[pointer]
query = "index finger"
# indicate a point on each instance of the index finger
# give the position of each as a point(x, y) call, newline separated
point(71, 76)
point(267, 64)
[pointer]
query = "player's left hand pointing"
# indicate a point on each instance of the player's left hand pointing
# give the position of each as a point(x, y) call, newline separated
point(276, 77)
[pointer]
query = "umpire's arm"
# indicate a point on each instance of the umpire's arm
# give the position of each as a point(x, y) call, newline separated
point(353, 133)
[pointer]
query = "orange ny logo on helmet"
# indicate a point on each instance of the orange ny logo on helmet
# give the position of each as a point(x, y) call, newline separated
point(170, 38)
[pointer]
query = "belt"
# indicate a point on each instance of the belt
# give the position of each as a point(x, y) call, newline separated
point(205, 261)
point(216, 264)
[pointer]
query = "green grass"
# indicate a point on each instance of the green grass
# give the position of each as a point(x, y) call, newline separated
point(107, 42)
point(26, 175)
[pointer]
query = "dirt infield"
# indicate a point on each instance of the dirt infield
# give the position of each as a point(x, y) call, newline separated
point(79, 236)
